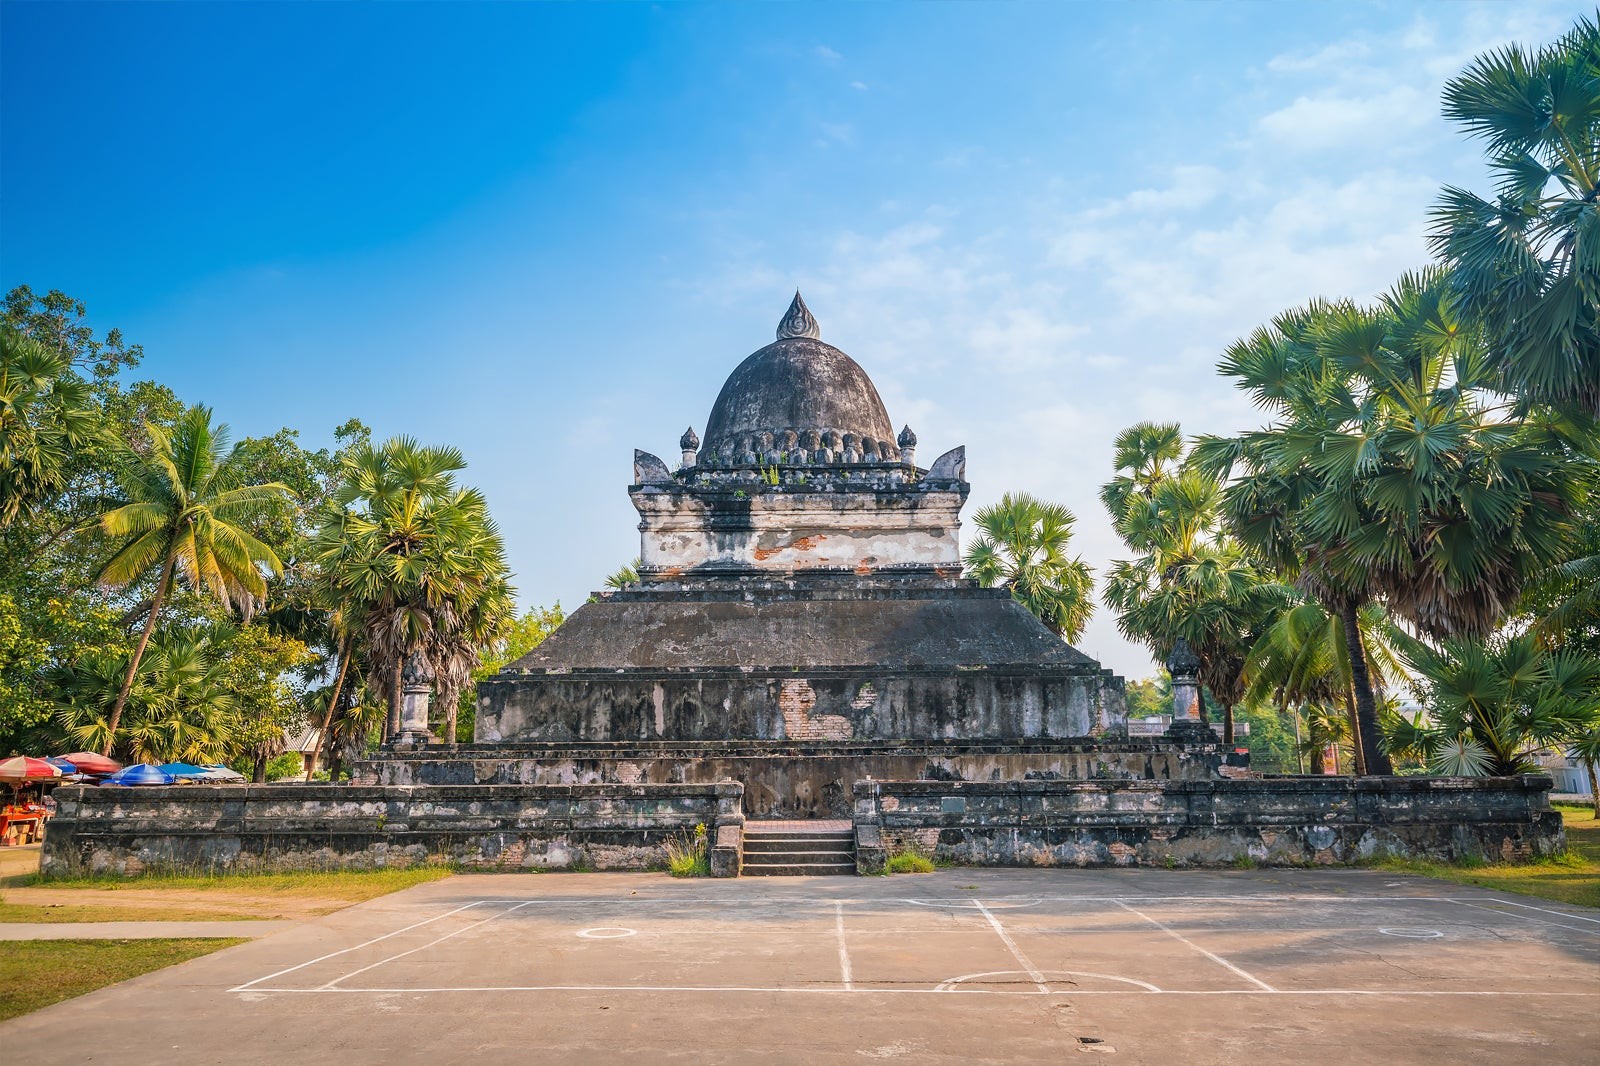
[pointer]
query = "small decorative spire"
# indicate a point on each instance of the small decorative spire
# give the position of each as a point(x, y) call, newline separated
point(907, 439)
point(797, 321)
point(690, 441)
point(1183, 662)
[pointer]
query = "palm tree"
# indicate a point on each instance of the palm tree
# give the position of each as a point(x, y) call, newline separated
point(1525, 263)
point(625, 575)
point(45, 415)
point(1389, 474)
point(418, 561)
point(1303, 659)
point(1495, 703)
point(1190, 580)
point(1022, 546)
point(184, 498)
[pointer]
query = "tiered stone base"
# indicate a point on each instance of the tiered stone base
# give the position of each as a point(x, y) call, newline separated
point(787, 779)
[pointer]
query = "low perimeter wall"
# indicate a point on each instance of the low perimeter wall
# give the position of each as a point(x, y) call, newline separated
point(283, 827)
point(1287, 820)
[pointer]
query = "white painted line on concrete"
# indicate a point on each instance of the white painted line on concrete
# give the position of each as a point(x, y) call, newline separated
point(607, 932)
point(1398, 993)
point(1414, 934)
point(1032, 971)
point(1546, 910)
point(423, 947)
point(1525, 917)
point(357, 947)
point(1210, 955)
point(950, 985)
point(844, 953)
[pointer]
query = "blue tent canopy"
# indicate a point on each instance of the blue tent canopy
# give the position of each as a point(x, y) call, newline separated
point(180, 769)
point(139, 774)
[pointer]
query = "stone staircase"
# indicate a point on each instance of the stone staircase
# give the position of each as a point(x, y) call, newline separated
point(796, 849)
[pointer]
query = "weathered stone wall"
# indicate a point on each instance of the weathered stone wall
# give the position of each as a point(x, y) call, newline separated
point(276, 827)
point(792, 780)
point(787, 528)
point(1291, 820)
point(768, 704)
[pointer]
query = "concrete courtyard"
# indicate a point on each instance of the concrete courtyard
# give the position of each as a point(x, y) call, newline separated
point(957, 966)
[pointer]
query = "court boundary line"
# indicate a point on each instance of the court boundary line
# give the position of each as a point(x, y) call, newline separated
point(844, 952)
point(1218, 959)
point(424, 947)
point(1033, 972)
point(858, 991)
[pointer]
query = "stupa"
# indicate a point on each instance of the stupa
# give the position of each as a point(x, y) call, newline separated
point(800, 623)
point(800, 580)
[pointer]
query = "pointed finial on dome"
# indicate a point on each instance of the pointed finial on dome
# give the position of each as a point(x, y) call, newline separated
point(690, 440)
point(907, 439)
point(797, 321)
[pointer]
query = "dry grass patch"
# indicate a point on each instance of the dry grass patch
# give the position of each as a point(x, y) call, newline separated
point(202, 897)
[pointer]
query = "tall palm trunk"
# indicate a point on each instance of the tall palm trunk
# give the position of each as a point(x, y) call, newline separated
point(1358, 757)
point(391, 725)
point(1373, 758)
point(324, 743)
point(162, 588)
point(1594, 787)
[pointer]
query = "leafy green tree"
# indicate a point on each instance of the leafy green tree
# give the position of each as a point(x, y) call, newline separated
point(1526, 263)
point(182, 500)
point(45, 415)
point(1190, 580)
point(1391, 474)
point(1492, 704)
point(1022, 546)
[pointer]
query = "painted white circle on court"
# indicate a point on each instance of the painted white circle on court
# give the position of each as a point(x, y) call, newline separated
point(1417, 934)
point(607, 932)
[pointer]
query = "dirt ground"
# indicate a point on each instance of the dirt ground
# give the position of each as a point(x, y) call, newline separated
point(1324, 966)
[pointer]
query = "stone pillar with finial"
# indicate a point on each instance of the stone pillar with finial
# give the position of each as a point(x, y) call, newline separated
point(908, 446)
point(690, 443)
point(1188, 723)
point(416, 689)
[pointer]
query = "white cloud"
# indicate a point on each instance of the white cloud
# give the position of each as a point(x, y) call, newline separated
point(1331, 122)
point(826, 54)
point(859, 86)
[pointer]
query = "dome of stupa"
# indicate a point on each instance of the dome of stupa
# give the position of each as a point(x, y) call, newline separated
point(798, 385)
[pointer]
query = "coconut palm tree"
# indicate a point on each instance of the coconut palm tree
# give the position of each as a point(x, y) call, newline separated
point(181, 519)
point(1390, 474)
point(1526, 263)
point(1303, 660)
point(1022, 547)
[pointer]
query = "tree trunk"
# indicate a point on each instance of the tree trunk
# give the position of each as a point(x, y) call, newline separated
point(1374, 759)
point(1358, 757)
point(391, 725)
point(1227, 725)
point(258, 773)
point(1594, 786)
point(1299, 753)
point(162, 588)
point(324, 744)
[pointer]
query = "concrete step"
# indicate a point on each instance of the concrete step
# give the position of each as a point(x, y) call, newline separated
point(797, 855)
point(797, 844)
point(798, 869)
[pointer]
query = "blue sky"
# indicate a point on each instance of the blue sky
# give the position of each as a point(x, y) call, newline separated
point(546, 233)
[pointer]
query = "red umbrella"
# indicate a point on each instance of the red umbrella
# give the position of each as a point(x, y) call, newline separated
point(24, 768)
point(90, 763)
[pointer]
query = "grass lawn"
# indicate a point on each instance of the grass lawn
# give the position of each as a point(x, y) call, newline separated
point(198, 897)
point(1572, 878)
point(37, 973)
